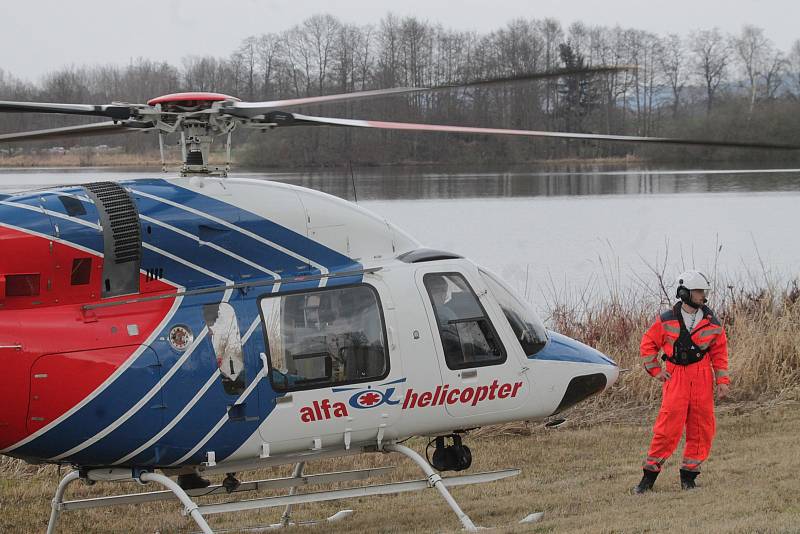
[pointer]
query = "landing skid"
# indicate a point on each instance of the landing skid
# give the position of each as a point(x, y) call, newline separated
point(298, 479)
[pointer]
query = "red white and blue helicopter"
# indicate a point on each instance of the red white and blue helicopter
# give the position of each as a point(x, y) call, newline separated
point(206, 325)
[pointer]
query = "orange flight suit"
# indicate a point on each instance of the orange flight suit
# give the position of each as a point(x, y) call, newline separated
point(688, 396)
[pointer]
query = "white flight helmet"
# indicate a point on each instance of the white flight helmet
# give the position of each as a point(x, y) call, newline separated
point(689, 280)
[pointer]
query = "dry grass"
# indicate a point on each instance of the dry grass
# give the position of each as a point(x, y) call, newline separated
point(579, 476)
point(80, 160)
point(763, 328)
point(99, 159)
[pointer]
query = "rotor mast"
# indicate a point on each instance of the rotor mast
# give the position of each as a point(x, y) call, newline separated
point(195, 116)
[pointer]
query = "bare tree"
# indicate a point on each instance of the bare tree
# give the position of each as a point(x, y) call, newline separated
point(672, 61)
point(320, 34)
point(268, 49)
point(389, 46)
point(711, 56)
point(365, 57)
point(793, 65)
point(775, 67)
point(553, 36)
point(247, 56)
point(752, 50)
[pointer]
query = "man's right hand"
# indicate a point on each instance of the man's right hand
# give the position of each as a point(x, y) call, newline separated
point(663, 375)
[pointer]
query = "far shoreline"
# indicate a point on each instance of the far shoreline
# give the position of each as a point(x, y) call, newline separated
point(150, 163)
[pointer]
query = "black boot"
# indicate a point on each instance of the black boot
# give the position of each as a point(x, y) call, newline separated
point(646, 484)
point(687, 479)
point(192, 481)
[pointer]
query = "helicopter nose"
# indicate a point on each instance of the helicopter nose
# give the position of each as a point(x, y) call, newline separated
point(588, 372)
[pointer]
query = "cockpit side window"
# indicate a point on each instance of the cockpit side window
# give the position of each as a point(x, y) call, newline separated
point(468, 337)
point(325, 337)
point(527, 327)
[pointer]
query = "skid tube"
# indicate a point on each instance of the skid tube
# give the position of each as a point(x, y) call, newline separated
point(198, 512)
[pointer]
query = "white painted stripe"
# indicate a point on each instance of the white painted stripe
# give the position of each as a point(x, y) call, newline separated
point(110, 380)
point(188, 264)
point(212, 379)
point(233, 227)
point(40, 209)
point(189, 405)
point(125, 365)
point(250, 330)
point(210, 245)
point(222, 421)
point(65, 194)
point(127, 415)
point(142, 401)
point(56, 239)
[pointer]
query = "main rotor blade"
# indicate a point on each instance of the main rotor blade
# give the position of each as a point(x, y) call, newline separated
point(110, 111)
point(100, 128)
point(254, 109)
point(407, 126)
point(249, 110)
point(556, 73)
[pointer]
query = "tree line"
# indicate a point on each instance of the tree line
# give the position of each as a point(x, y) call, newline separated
point(704, 84)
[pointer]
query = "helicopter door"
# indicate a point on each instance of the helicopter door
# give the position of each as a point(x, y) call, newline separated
point(329, 375)
point(483, 373)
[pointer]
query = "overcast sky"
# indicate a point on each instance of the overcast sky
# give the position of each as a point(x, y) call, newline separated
point(38, 36)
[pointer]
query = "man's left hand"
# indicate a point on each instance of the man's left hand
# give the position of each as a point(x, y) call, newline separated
point(723, 390)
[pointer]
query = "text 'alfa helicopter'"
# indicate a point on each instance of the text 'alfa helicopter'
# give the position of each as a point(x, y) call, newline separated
point(206, 325)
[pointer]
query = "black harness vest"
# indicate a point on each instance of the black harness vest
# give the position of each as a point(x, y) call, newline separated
point(685, 351)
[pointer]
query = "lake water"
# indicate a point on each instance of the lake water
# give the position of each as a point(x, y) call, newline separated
point(566, 229)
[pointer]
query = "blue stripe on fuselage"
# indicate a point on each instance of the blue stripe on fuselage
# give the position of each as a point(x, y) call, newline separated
point(280, 235)
point(565, 349)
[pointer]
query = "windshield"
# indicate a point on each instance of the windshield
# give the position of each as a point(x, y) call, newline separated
point(527, 326)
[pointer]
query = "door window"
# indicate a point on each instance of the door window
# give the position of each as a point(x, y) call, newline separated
point(527, 327)
point(325, 337)
point(468, 337)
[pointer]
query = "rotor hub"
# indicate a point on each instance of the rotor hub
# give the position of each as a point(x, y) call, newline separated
point(190, 101)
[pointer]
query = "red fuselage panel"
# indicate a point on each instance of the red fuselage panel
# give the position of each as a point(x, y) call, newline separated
point(56, 354)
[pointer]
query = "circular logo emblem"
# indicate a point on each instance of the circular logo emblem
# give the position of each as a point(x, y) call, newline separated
point(369, 399)
point(180, 337)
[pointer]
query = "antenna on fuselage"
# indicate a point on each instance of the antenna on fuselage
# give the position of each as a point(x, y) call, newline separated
point(353, 180)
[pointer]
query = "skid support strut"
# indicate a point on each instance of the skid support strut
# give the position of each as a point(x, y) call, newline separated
point(287, 512)
point(190, 506)
point(188, 503)
point(59, 498)
point(434, 480)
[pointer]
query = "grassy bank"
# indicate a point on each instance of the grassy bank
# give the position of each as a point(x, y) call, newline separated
point(78, 160)
point(761, 318)
point(579, 477)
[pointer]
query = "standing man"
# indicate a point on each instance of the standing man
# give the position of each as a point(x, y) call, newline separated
point(696, 353)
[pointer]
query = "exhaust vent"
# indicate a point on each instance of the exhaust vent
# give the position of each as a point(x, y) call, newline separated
point(122, 240)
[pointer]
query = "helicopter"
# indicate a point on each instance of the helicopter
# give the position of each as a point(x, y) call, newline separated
point(207, 325)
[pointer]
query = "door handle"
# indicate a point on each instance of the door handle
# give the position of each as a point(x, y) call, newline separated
point(470, 373)
point(286, 399)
